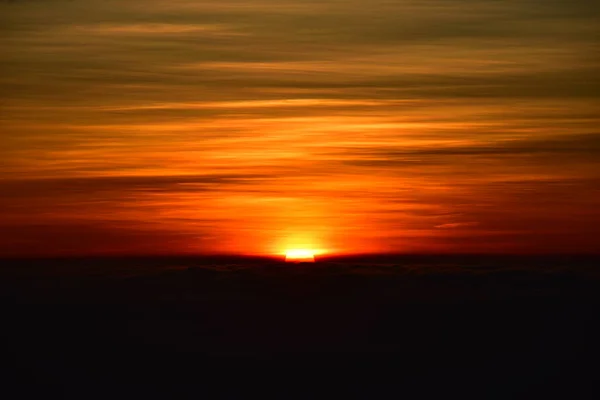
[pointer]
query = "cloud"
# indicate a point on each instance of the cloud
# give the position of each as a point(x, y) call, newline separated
point(366, 125)
point(453, 225)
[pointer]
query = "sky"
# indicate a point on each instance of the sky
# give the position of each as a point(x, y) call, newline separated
point(339, 126)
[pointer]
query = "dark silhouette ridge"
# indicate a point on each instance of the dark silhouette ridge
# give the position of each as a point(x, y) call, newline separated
point(189, 327)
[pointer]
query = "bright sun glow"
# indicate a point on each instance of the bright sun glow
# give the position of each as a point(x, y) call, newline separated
point(299, 256)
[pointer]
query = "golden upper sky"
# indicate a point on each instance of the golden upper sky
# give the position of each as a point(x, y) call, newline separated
point(258, 126)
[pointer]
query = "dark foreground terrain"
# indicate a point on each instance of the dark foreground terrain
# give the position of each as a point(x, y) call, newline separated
point(411, 327)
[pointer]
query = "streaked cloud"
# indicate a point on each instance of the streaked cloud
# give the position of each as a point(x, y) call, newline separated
point(251, 126)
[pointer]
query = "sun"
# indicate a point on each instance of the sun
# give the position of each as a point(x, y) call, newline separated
point(299, 255)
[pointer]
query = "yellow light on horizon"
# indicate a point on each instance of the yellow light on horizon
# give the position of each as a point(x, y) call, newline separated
point(299, 255)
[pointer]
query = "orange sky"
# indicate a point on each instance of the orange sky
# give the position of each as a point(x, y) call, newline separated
point(252, 127)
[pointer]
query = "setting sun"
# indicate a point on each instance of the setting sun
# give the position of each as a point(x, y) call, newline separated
point(299, 256)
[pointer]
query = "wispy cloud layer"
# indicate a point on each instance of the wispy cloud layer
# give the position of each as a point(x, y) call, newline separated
point(252, 126)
